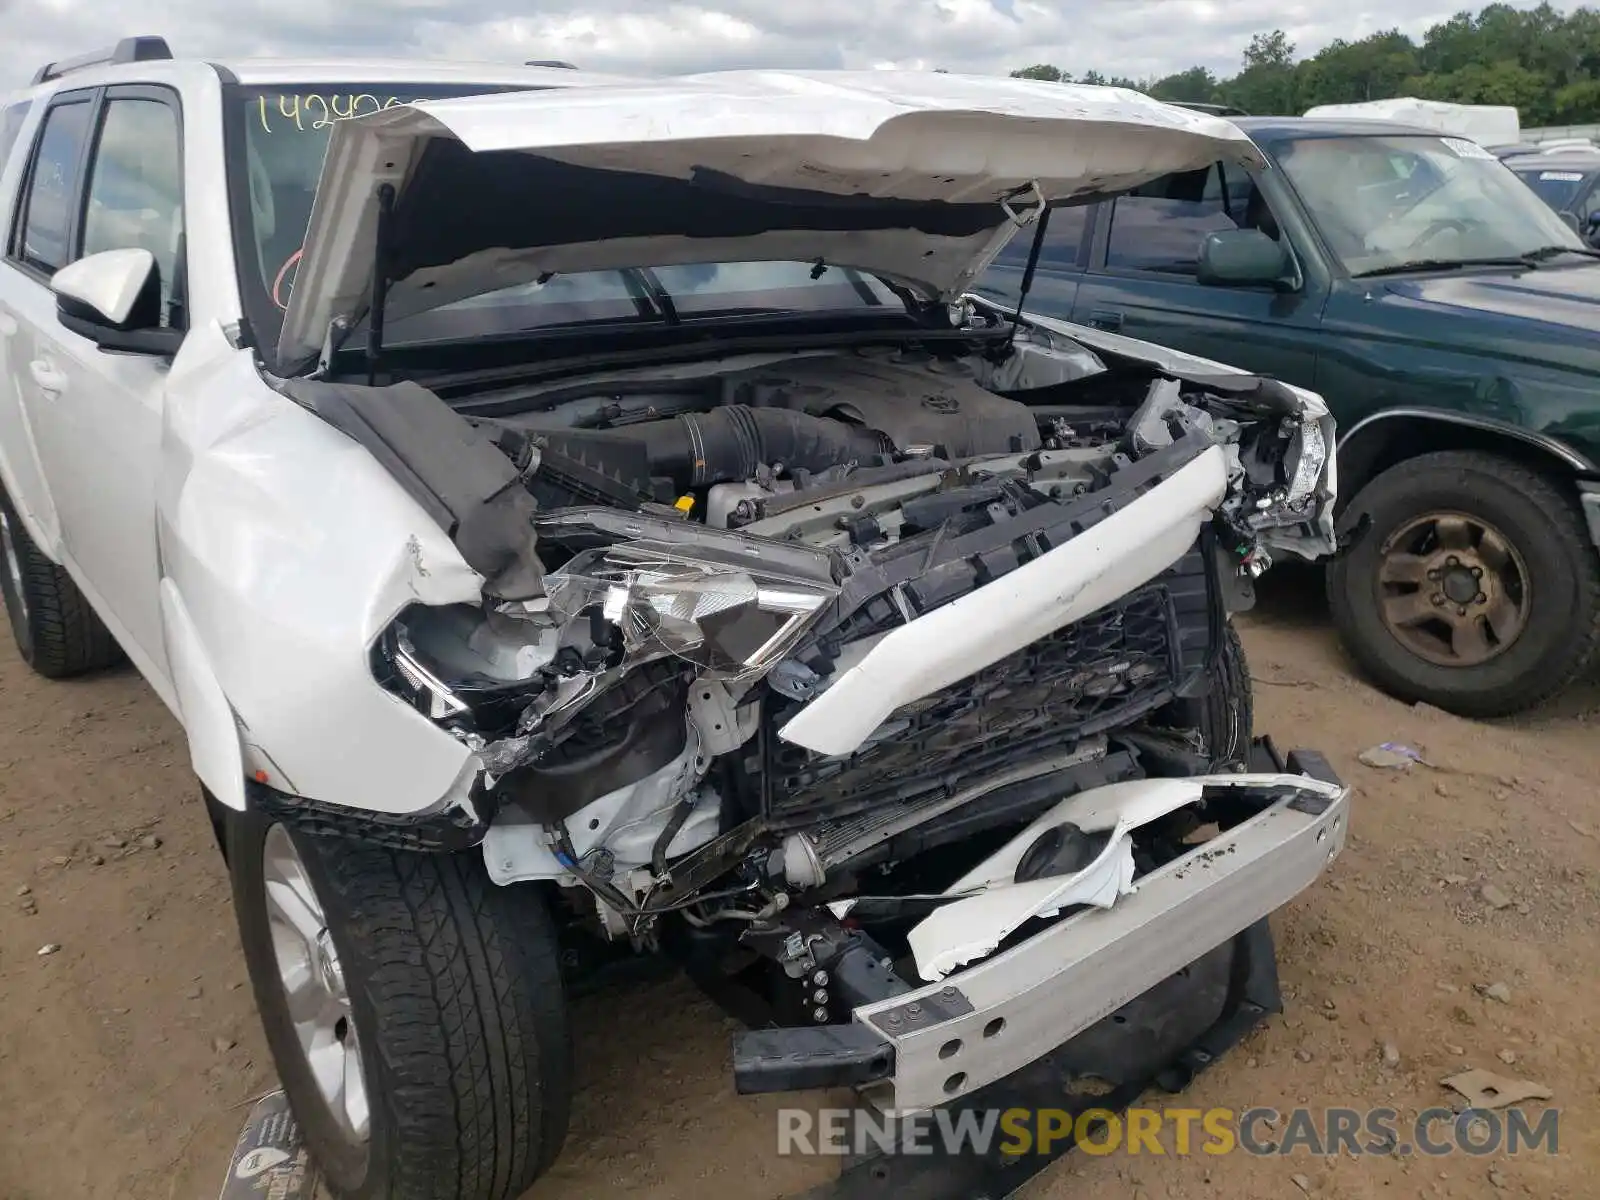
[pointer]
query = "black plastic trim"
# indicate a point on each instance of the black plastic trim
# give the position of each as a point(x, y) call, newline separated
point(448, 830)
point(805, 1057)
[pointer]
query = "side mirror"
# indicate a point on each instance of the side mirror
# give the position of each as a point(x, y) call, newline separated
point(1245, 258)
point(1570, 220)
point(114, 299)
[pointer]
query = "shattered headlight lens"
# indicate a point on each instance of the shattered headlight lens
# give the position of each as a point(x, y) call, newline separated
point(731, 618)
point(1311, 457)
point(427, 692)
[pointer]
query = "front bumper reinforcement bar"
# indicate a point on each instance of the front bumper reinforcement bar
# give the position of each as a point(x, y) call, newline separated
point(1088, 1014)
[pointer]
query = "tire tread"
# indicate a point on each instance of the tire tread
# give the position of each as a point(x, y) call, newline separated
point(68, 637)
point(1533, 687)
point(467, 996)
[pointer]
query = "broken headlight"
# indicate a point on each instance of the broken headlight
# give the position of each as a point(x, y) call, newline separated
point(464, 668)
point(431, 695)
point(731, 615)
point(1308, 455)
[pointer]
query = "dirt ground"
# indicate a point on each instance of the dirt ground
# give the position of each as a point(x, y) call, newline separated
point(130, 1054)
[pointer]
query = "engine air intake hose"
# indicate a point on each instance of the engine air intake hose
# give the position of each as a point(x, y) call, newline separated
point(728, 444)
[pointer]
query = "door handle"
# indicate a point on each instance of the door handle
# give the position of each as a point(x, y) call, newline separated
point(8, 325)
point(47, 377)
point(1109, 319)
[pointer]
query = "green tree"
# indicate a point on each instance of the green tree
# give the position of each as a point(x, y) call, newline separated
point(1041, 71)
point(1269, 50)
point(1197, 85)
point(1544, 61)
point(1346, 72)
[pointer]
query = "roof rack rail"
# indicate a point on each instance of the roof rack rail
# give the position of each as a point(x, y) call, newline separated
point(1216, 110)
point(128, 50)
point(550, 62)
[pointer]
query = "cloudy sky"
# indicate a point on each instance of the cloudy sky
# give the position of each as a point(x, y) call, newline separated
point(1130, 37)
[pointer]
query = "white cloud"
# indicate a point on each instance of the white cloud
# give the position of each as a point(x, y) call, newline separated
point(1127, 37)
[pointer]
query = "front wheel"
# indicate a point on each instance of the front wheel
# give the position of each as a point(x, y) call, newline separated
point(1476, 588)
point(414, 1010)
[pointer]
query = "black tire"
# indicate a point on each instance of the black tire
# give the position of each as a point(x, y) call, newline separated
point(1542, 523)
point(456, 995)
point(57, 633)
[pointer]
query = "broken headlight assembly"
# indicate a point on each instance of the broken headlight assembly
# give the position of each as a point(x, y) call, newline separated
point(727, 605)
point(728, 614)
point(469, 671)
point(431, 695)
point(1288, 473)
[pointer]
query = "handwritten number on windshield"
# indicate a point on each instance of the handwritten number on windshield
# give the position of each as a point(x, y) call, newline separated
point(313, 110)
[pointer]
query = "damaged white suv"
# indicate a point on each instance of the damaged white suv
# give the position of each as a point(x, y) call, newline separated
point(603, 523)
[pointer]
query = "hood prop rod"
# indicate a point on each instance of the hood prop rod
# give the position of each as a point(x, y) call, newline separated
point(1034, 250)
point(380, 282)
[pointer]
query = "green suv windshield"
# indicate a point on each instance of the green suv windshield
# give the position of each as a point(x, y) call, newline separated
point(1384, 202)
point(277, 140)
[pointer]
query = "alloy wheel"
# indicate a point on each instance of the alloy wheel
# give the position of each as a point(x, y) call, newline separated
point(1453, 589)
point(314, 987)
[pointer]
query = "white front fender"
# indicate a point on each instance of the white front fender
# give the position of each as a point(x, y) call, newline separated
point(207, 718)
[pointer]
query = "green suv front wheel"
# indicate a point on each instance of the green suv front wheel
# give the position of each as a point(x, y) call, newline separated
point(1476, 588)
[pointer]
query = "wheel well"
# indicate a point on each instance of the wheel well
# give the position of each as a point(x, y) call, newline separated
point(1386, 443)
point(217, 815)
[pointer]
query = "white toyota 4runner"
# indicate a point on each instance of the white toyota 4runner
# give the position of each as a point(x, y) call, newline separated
point(593, 517)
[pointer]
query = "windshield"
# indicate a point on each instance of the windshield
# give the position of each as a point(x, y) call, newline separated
point(1383, 202)
point(1556, 187)
point(277, 139)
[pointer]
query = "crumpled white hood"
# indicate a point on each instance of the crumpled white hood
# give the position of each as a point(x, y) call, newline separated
point(908, 137)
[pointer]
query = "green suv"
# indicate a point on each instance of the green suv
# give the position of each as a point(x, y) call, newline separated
point(1451, 320)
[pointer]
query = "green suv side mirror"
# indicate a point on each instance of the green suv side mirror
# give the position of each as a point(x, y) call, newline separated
point(1245, 258)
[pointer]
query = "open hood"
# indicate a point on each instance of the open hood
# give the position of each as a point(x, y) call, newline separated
point(919, 177)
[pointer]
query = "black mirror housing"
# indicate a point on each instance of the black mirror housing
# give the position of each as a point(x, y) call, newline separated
point(138, 332)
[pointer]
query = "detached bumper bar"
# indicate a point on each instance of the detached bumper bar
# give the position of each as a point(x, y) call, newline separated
point(997, 1016)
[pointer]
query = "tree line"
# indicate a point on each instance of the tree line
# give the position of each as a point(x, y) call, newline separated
point(1545, 63)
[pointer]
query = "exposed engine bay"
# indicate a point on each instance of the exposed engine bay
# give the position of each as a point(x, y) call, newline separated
point(1010, 570)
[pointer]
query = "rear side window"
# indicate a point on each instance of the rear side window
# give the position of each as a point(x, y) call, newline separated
point(1062, 241)
point(1160, 226)
point(11, 119)
point(52, 188)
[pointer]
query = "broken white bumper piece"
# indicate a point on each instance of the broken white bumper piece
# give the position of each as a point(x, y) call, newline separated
point(996, 906)
point(983, 1022)
point(1101, 564)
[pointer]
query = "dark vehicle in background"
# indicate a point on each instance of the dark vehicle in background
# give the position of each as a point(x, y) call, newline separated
point(1565, 180)
point(1451, 320)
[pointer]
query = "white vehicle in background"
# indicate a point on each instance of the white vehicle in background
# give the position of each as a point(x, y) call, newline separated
point(1487, 124)
point(591, 517)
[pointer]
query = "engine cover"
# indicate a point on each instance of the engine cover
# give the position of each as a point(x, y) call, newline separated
point(914, 400)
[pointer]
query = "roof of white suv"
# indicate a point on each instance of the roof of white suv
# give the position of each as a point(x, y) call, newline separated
point(131, 53)
point(259, 71)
